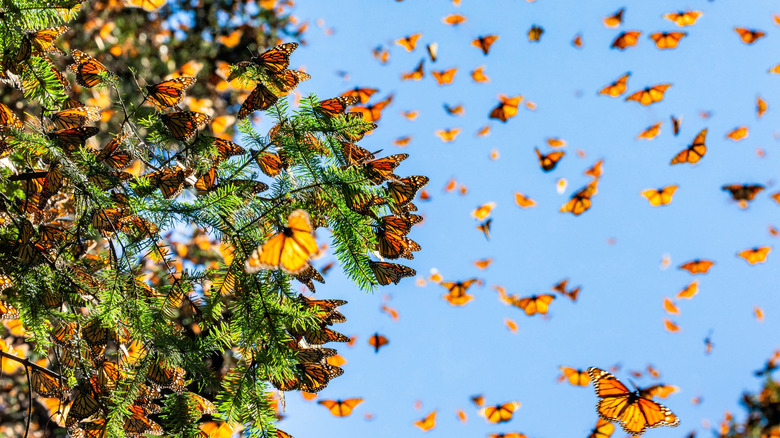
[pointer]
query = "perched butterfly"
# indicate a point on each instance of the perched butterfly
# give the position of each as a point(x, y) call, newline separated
point(416, 74)
point(260, 99)
point(381, 169)
point(392, 245)
point(7, 311)
point(288, 250)
point(484, 42)
point(500, 413)
point(403, 190)
point(693, 153)
point(225, 148)
point(580, 202)
point(73, 138)
point(341, 408)
point(603, 429)
point(377, 341)
point(619, 405)
point(387, 273)
point(276, 59)
point(755, 255)
point(75, 117)
point(168, 93)
point(9, 118)
point(184, 125)
point(549, 161)
point(615, 19)
point(749, 36)
point(576, 377)
point(667, 40)
point(683, 18)
point(626, 39)
point(270, 163)
point(444, 77)
point(506, 109)
point(651, 132)
point(43, 40)
point(662, 196)
point(535, 33)
point(534, 304)
point(335, 106)
point(363, 94)
point(409, 42)
point(743, 193)
point(427, 423)
point(650, 95)
point(87, 69)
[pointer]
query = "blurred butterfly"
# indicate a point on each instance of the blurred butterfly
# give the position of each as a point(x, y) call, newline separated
point(7, 311)
point(693, 153)
point(448, 135)
point(168, 93)
point(743, 193)
point(755, 255)
point(667, 40)
point(73, 138)
point(580, 201)
point(534, 304)
point(619, 405)
point(276, 59)
point(454, 110)
point(524, 201)
point(577, 41)
point(459, 287)
point(662, 196)
point(626, 39)
point(427, 423)
point(651, 132)
point(506, 109)
point(738, 133)
point(603, 429)
point(9, 118)
point(549, 161)
point(670, 307)
point(377, 341)
point(650, 95)
point(444, 77)
point(761, 107)
point(260, 99)
point(409, 42)
point(478, 75)
point(484, 42)
point(675, 125)
point(87, 69)
point(535, 33)
point(749, 36)
point(381, 54)
point(615, 19)
point(335, 106)
point(433, 51)
point(363, 94)
point(683, 18)
point(660, 391)
point(595, 171)
point(576, 377)
point(288, 250)
point(75, 117)
point(416, 74)
point(43, 40)
point(387, 273)
point(697, 266)
point(341, 408)
point(561, 288)
point(184, 125)
point(499, 413)
point(453, 19)
point(373, 112)
point(485, 228)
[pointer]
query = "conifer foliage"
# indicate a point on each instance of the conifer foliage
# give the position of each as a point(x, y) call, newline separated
point(120, 326)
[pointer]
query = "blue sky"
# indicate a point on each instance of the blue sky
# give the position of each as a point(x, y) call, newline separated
point(442, 355)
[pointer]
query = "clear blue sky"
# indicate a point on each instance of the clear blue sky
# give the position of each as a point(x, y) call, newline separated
point(442, 355)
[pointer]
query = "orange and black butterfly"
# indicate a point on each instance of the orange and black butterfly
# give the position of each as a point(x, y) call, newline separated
point(749, 36)
point(354, 154)
point(693, 153)
point(387, 273)
point(409, 42)
point(444, 77)
point(288, 250)
point(616, 88)
point(561, 288)
point(43, 40)
point(662, 196)
point(373, 112)
point(403, 190)
point(755, 255)
point(74, 138)
point(381, 169)
point(459, 287)
point(615, 19)
point(626, 39)
point(400, 225)
point(675, 125)
point(225, 148)
point(169, 93)
point(580, 202)
point(260, 99)
point(392, 245)
point(534, 304)
point(535, 33)
point(289, 79)
point(683, 18)
point(276, 59)
point(416, 74)
point(363, 94)
point(697, 266)
point(377, 341)
point(506, 109)
point(575, 376)
point(649, 95)
point(743, 193)
point(9, 118)
point(633, 412)
point(184, 125)
point(427, 423)
point(667, 40)
point(484, 42)
point(207, 181)
point(75, 117)
point(499, 413)
point(603, 429)
point(335, 106)
point(660, 390)
point(549, 161)
point(87, 69)
point(7, 311)
point(170, 181)
point(341, 408)
point(270, 163)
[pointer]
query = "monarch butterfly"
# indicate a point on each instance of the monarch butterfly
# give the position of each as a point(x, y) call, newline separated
point(289, 79)
point(616, 88)
point(738, 133)
point(651, 132)
point(225, 148)
point(448, 135)
point(478, 75)
point(416, 74)
point(170, 181)
point(485, 228)
point(107, 374)
point(761, 107)
point(270, 163)
point(381, 54)
point(500, 413)
point(169, 93)
point(336, 105)
point(755, 255)
point(341, 408)
point(162, 375)
point(661, 391)
point(534, 304)
point(361, 203)
point(8, 118)
point(86, 69)
point(626, 39)
point(484, 42)
point(260, 99)
point(7, 311)
point(523, 201)
point(619, 405)
point(683, 18)
point(561, 288)
point(409, 42)
point(667, 40)
point(73, 138)
point(749, 36)
point(288, 250)
point(387, 273)
point(444, 77)
point(391, 245)
point(615, 19)
point(662, 196)
point(326, 309)
point(310, 377)
point(43, 40)
point(453, 19)
point(276, 59)
point(207, 181)
point(373, 112)
point(75, 117)
point(675, 124)
point(400, 225)
point(184, 125)
point(549, 161)
point(110, 155)
point(535, 33)
point(138, 423)
point(693, 153)
point(363, 94)
point(603, 429)
point(377, 341)
point(427, 423)
point(577, 41)
point(94, 333)
point(381, 169)
point(506, 109)
point(459, 287)
point(743, 193)
point(203, 405)
point(649, 95)
point(576, 377)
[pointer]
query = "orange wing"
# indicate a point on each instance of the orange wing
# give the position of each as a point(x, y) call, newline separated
point(616, 88)
point(534, 304)
point(427, 423)
point(626, 39)
point(650, 95)
point(549, 161)
point(448, 135)
point(576, 377)
point(363, 94)
point(444, 77)
point(416, 74)
point(169, 93)
point(484, 42)
point(755, 255)
point(694, 152)
point(478, 75)
point(535, 33)
point(651, 132)
point(667, 40)
point(603, 429)
point(377, 341)
point(615, 19)
point(499, 413)
point(341, 408)
point(288, 250)
point(580, 201)
point(409, 42)
point(749, 36)
point(697, 266)
point(337, 105)
point(662, 196)
point(683, 18)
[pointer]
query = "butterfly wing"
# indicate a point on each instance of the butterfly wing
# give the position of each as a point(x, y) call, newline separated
point(387, 273)
point(276, 59)
point(169, 93)
point(86, 68)
point(260, 99)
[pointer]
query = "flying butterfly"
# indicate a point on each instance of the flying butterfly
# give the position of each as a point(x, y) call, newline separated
point(260, 99)
point(633, 412)
point(184, 125)
point(535, 33)
point(478, 75)
point(549, 161)
point(603, 429)
point(743, 193)
point(87, 69)
point(373, 112)
point(683, 18)
point(662, 196)
point(427, 423)
point(288, 250)
point(168, 93)
point(341, 408)
point(416, 74)
point(409, 42)
point(749, 36)
point(453, 19)
point(667, 40)
point(616, 88)
point(575, 376)
point(697, 266)
point(433, 51)
point(675, 125)
point(276, 59)
point(626, 40)
point(534, 304)
point(651, 132)
point(755, 255)
point(484, 42)
point(377, 341)
point(444, 77)
point(335, 106)
point(363, 94)
point(387, 273)
point(738, 133)
point(693, 153)
point(507, 108)
point(649, 95)
point(500, 413)
point(615, 19)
